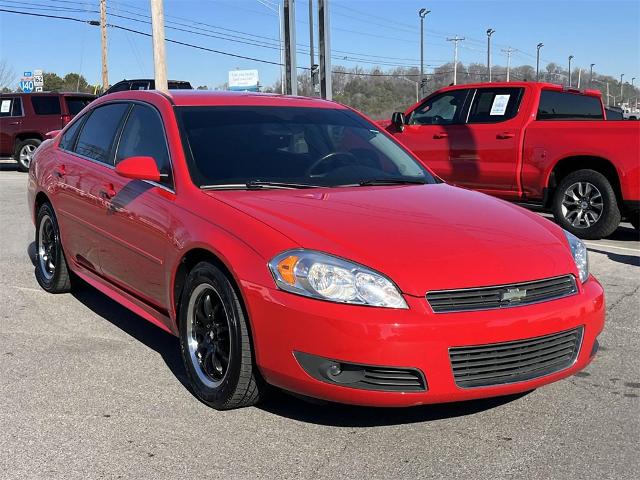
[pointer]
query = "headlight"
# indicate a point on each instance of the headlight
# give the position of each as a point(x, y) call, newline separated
point(580, 256)
point(318, 275)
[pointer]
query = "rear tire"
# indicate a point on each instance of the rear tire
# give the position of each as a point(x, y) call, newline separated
point(24, 153)
point(51, 270)
point(585, 204)
point(215, 341)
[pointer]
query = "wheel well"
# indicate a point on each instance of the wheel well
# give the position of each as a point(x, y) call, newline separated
point(571, 164)
point(27, 135)
point(190, 260)
point(40, 199)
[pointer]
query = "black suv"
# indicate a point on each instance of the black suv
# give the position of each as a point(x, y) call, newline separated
point(146, 84)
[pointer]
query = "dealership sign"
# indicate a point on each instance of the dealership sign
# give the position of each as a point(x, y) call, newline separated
point(243, 80)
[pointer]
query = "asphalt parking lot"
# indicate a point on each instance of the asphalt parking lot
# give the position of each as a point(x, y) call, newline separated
point(90, 390)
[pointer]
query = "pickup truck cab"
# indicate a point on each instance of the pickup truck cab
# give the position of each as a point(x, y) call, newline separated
point(532, 143)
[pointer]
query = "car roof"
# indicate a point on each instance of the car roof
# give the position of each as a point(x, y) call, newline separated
point(49, 94)
point(184, 98)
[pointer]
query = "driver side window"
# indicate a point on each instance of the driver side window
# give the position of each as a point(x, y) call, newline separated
point(443, 109)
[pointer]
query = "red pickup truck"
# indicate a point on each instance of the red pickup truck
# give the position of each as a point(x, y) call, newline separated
point(532, 143)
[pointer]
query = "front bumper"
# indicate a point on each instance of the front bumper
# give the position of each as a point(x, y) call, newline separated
point(416, 338)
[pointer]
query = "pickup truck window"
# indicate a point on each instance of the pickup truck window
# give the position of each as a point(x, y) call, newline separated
point(443, 109)
point(493, 105)
point(568, 106)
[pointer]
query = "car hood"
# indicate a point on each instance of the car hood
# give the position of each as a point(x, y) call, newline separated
point(423, 237)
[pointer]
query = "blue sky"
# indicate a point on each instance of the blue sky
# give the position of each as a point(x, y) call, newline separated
point(604, 32)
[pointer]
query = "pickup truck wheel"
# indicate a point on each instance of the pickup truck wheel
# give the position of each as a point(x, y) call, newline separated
point(585, 204)
point(24, 153)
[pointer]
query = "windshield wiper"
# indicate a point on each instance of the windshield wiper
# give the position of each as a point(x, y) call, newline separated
point(255, 184)
point(392, 181)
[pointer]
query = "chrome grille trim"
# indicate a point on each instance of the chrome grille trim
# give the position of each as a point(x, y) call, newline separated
point(515, 361)
point(488, 298)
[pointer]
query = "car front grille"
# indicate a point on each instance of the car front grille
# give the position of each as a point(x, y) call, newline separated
point(517, 361)
point(501, 296)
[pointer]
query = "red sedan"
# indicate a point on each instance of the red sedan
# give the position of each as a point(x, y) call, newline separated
point(291, 242)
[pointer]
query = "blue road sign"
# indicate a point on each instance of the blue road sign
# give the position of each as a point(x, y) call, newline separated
point(28, 74)
point(26, 86)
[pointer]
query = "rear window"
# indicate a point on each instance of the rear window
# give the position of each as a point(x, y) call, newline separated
point(49, 105)
point(76, 104)
point(492, 105)
point(568, 106)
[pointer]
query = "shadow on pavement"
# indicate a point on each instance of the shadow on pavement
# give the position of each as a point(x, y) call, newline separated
point(338, 415)
point(624, 233)
point(616, 257)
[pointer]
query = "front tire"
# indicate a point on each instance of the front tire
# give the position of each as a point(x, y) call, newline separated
point(586, 205)
point(24, 153)
point(51, 271)
point(215, 341)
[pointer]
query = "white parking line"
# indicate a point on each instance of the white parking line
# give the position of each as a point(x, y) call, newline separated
point(607, 245)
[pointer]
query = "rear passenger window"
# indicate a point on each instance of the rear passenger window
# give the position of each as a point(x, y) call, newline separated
point(568, 106)
point(492, 105)
point(16, 108)
point(143, 135)
point(97, 135)
point(46, 105)
point(68, 139)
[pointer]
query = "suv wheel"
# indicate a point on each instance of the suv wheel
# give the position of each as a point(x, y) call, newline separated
point(51, 266)
point(215, 341)
point(24, 153)
point(585, 204)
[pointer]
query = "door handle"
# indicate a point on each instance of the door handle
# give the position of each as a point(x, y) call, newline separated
point(107, 191)
point(440, 135)
point(15, 123)
point(60, 171)
point(505, 135)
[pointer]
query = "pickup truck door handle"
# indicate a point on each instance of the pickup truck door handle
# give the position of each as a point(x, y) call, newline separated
point(505, 135)
point(60, 171)
point(107, 191)
point(440, 135)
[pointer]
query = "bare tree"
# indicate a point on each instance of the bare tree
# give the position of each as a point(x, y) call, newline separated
point(7, 76)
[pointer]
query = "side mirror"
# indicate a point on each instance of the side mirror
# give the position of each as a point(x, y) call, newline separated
point(398, 120)
point(138, 168)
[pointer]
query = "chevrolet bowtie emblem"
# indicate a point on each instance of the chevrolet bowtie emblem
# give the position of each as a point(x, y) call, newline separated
point(513, 295)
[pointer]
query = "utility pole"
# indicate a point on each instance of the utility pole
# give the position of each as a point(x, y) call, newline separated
point(159, 60)
point(591, 74)
point(455, 41)
point(103, 41)
point(508, 51)
point(538, 47)
point(621, 88)
point(324, 44)
point(290, 66)
point(579, 75)
point(312, 55)
point(570, 58)
point(608, 103)
point(422, 13)
point(490, 31)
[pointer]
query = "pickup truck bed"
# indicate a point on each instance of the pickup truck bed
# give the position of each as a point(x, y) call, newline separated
point(531, 143)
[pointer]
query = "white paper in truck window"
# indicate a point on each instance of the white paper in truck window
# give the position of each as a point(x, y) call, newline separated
point(5, 106)
point(499, 105)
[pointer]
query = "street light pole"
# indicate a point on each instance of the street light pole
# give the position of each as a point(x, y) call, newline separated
point(508, 51)
point(621, 87)
point(103, 42)
point(159, 59)
point(490, 31)
point(455, 41)
point(422, 13)
point(538, 47)
point(570, 58)
point(591, 74)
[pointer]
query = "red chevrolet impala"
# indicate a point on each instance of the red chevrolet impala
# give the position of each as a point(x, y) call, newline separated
point(290, 242)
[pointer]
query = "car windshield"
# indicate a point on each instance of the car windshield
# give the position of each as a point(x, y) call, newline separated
point(295, 147)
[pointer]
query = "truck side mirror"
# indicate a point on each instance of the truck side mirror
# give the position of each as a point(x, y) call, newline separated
point(398, 120)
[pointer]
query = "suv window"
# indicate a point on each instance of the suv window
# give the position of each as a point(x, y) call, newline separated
point(492, 105)
point(96, 139)
point(143, 85)
point(119, 87)
point(68, 139)
point(46, 105)
point(568, 106)
point(443, 109)
point(143, 135)
point(76, 104)
point(10, 107)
